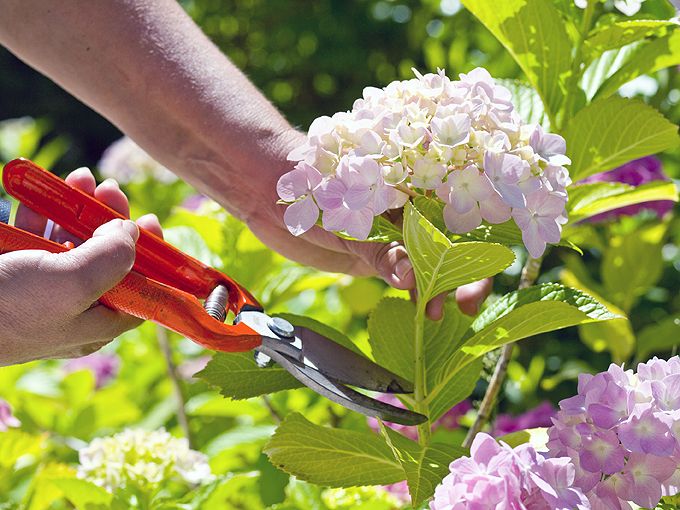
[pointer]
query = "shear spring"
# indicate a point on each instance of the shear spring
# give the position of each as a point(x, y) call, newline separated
point(216, 303)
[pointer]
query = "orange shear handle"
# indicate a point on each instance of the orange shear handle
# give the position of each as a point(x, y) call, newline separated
point(81, 214)
point(150, 300)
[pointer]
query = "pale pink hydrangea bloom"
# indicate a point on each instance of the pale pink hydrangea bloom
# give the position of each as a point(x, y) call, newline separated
point(104, 366)
point(622, 433)
point(7, 419)
point(496, 476)
point(462, 139)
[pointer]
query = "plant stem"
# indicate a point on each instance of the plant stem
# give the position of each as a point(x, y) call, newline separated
point(164, 343)
point(529, 274)
point(420, 378)
point(407, 190)
point(572, 82)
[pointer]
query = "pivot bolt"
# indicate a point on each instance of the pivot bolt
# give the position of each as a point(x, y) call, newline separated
point(281, 327)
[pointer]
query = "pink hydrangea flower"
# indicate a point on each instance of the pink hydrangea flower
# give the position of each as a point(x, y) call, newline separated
point(7, 419)
point(622, 433)
point(539, 416)
point(462, 138)
point(498, 476)
point(297, 187)
point(103, 366)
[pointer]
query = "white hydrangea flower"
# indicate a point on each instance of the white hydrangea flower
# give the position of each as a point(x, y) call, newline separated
point(142, 458)
point(461, 138)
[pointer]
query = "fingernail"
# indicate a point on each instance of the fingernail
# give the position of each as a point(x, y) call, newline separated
point(132, 229)
point(110, 183)
point(403, 268)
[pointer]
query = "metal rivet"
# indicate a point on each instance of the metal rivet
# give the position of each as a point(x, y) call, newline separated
point(281, 327)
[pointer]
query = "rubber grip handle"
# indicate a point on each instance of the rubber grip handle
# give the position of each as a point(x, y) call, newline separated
point(81, 214)
point(150, 300)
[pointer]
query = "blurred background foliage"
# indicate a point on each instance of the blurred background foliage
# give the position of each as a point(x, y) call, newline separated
point(311, 59)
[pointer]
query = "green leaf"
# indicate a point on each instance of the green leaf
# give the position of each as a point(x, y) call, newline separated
point(616, 35)
point(587, 200)
point(84, 495)
point(191, 242)
point(613, 131)
point(527, 103)
point(424, 467)
point(391, 328)
point(332, 457)
point(445, 393)
point(637, 255)
point(661, 337)
point(605, 66)
point(237, 376)
point(518, 315)
point(507, 233)
point(441, 265)
point(14, 444)
point(538, 438)
point(646, 59)
point(534, 33)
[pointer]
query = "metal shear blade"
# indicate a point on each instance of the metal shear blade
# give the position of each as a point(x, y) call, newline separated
point(339, 393)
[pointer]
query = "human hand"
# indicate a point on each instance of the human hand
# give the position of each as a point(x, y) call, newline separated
point(48, 302)
point(328, 252)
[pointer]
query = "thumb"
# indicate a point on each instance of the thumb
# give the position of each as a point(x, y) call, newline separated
point(389, 261)
point(97, 265)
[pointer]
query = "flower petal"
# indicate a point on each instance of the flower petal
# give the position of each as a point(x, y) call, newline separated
point(301, 216)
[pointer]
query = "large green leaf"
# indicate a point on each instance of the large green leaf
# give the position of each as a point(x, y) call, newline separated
point(14, 444)
point(534, 33)
point(518, 315)
point(587, 200)
point(84, 495)
point(613, 131)
point(604, 66)
point(391, 329)
point(237, 376)
point(616, 35)
point(424, 466)
point(647, 58)
point(444, 393)
point(332, 457)
point(441, 265)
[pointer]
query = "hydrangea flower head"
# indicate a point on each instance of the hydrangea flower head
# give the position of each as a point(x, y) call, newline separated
point(461, 138)
point(498, 476)
point(622, 434)
point(141, 458)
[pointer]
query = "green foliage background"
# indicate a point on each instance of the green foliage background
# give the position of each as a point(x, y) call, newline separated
point(310, 59)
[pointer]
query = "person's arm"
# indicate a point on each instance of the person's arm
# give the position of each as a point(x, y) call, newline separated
point(147, 67)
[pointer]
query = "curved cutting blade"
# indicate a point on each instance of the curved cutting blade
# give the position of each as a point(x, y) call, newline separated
point(346, 366)
point(343, 395)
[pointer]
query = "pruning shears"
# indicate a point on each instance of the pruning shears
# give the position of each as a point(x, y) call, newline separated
point(180, 293)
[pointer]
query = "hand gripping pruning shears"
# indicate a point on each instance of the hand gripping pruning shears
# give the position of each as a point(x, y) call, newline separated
point(172, 289)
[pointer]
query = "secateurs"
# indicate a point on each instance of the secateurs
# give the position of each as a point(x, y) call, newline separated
point(167, 286)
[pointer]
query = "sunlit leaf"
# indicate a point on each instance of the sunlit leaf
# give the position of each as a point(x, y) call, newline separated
point(615, 35)
point(534, 33)
point(613, 131)
point(527, 103)
point(332, 457)
point(441, 265)
point(237, 376)
point(587, 200)
point(518, 315)
point(424, 466)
